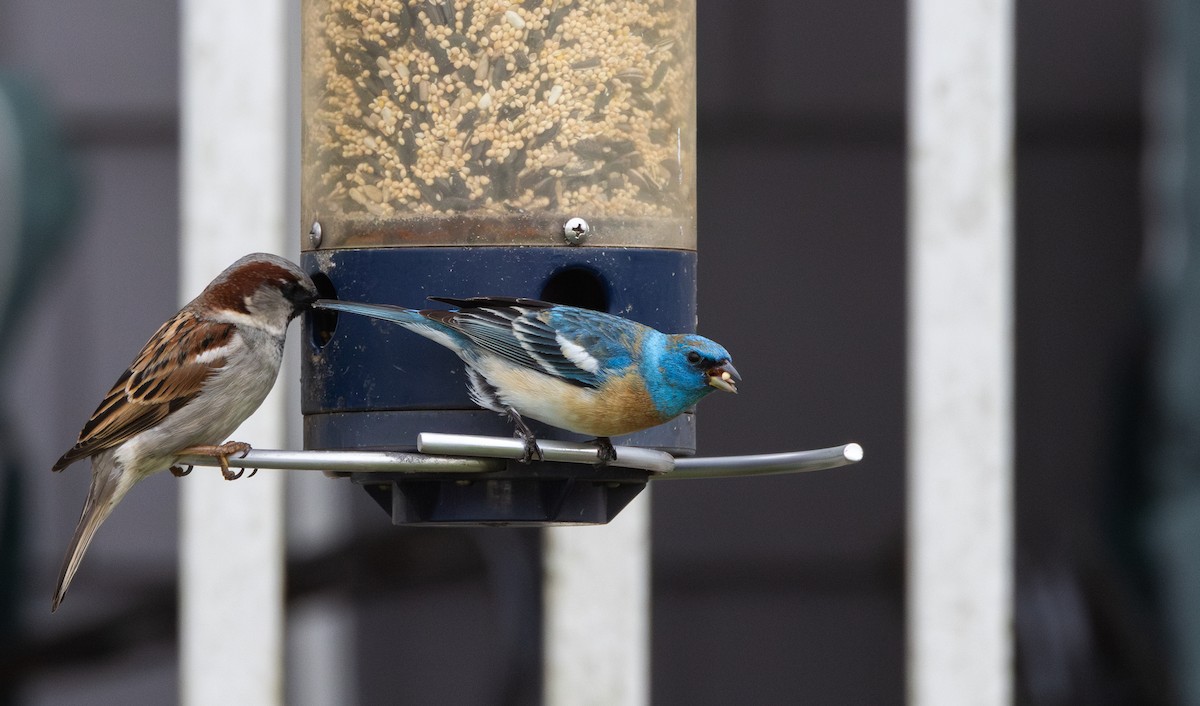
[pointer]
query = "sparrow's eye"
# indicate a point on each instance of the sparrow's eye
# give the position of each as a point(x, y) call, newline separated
point(693, 357)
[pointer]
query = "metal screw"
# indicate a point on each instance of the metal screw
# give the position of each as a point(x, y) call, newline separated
point(576, 231)
point(314, 234)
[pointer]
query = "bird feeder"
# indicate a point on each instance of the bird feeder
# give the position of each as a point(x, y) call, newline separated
point(540, 149)
point(464, 147)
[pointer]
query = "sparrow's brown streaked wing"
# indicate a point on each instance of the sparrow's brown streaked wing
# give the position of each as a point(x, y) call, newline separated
point(167, 374)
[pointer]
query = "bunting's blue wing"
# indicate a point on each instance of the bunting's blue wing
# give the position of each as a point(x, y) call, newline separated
point(577, 345)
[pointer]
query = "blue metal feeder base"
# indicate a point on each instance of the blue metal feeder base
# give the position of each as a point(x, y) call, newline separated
point(538, 494)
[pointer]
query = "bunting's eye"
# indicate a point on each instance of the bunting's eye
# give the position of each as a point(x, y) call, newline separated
point(693, 357)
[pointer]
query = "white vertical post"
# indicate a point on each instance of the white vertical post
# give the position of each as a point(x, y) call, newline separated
point(596, 609)
point(234, 142)
point(960, 353)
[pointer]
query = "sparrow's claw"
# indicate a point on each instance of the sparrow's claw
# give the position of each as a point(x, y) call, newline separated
point(179, 471)
point(608, 454)
point(252, 472)
point(222, 454)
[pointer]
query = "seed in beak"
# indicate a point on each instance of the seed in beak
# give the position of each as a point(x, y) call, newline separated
point(723, 381)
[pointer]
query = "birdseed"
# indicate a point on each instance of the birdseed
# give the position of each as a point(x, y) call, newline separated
point(489, 110)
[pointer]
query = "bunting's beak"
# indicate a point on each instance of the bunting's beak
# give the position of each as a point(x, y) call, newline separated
point(724, 377)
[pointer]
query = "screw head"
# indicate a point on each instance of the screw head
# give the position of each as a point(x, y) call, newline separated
point(314, 234)
point(576, 231)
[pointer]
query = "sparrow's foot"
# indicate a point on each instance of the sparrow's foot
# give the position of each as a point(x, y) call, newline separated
point(608, 454)
point(532, 450)
point(180, 471)
point(222, 454)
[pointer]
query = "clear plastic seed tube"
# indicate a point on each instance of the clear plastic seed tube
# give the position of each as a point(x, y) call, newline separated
point(477, 122)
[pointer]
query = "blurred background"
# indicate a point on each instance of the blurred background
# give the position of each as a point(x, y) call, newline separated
point(765, 591)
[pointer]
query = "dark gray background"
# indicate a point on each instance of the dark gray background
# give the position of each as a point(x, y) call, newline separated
point(766, 591)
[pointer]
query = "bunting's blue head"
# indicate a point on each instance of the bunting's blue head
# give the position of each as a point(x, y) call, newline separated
point(687, 368)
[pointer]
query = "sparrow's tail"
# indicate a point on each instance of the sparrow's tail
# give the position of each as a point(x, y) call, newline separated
point(103, 495)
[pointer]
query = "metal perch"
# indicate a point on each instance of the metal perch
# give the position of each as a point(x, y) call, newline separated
point(458, 453)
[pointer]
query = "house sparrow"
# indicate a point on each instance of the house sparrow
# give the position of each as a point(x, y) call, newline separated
point(197, 378)
point(585, 371)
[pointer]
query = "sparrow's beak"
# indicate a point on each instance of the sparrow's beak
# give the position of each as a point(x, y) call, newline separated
point(302, 305)
point(724, 377)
